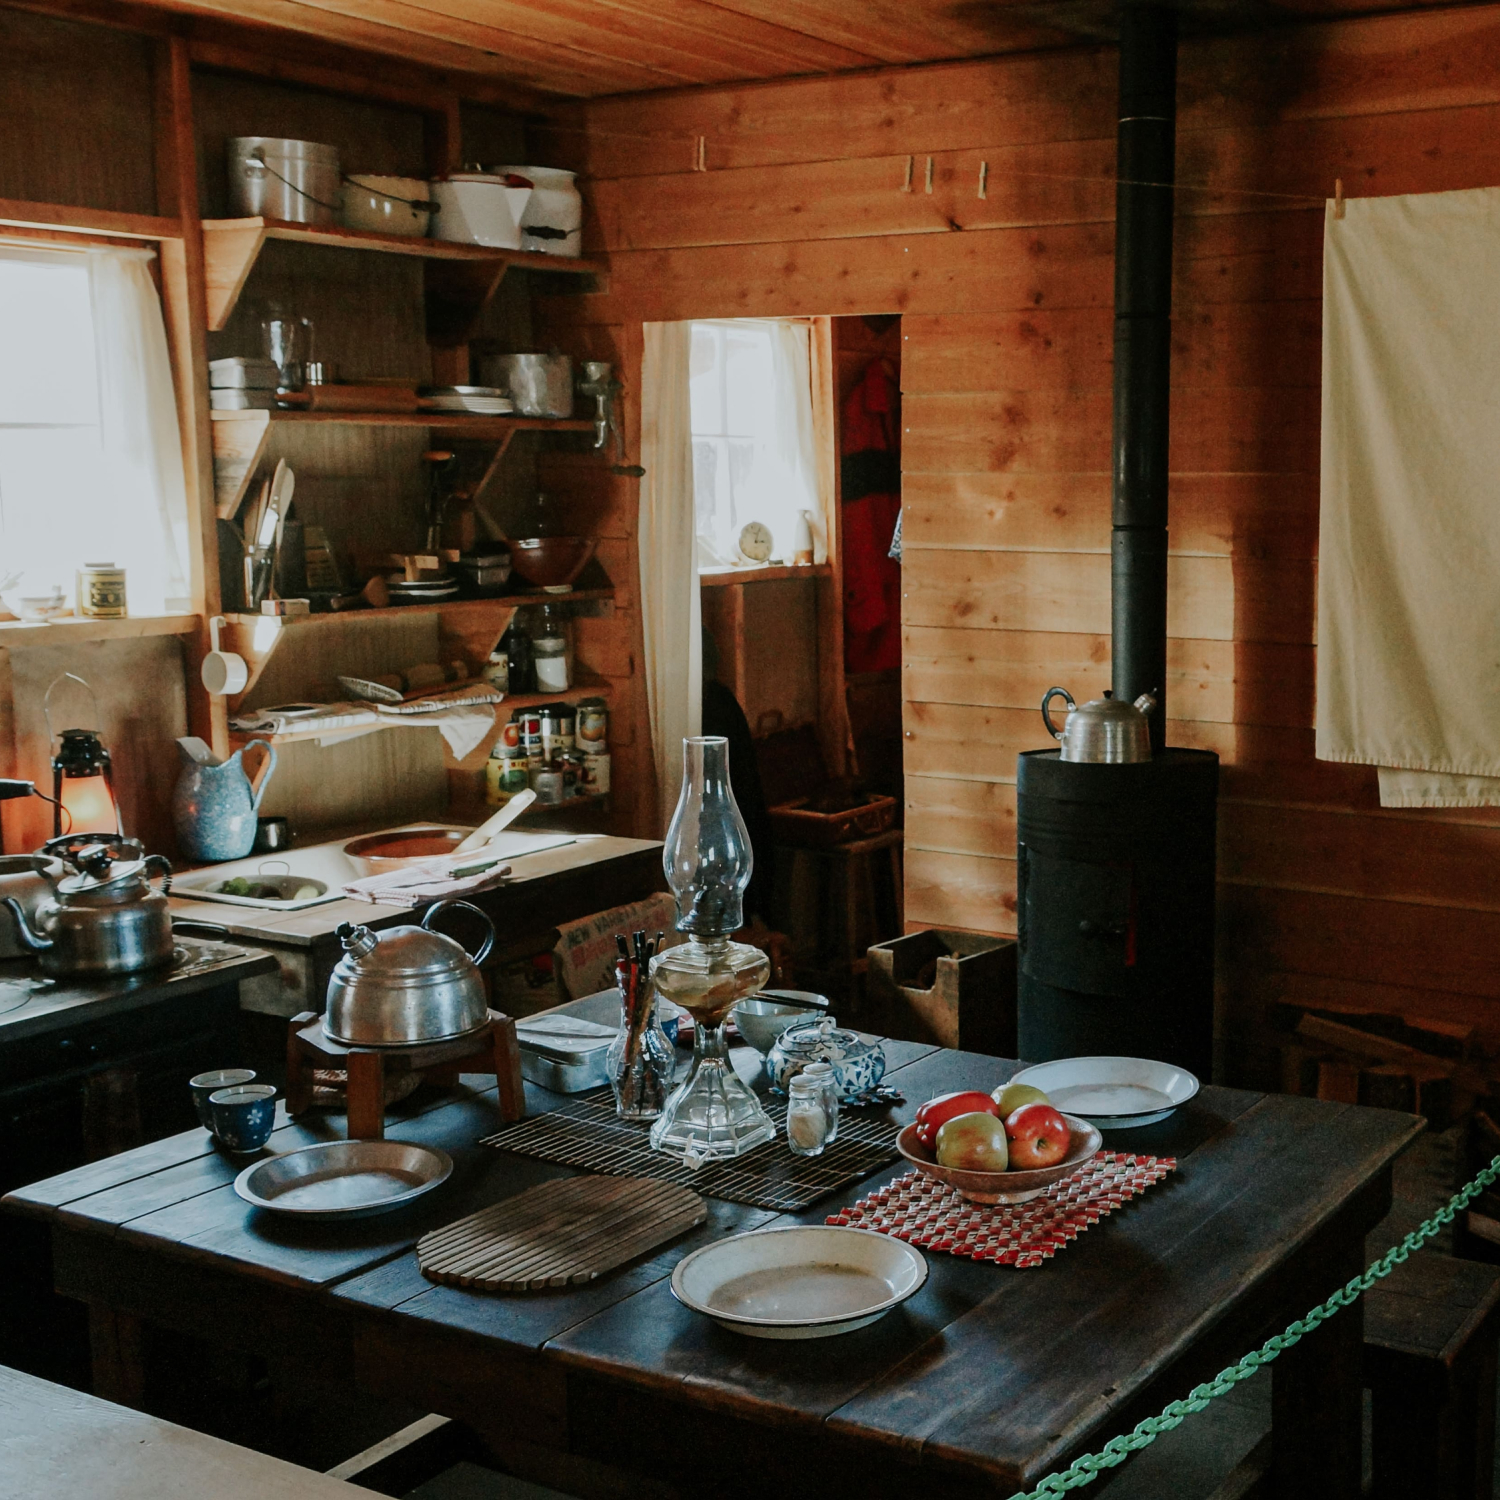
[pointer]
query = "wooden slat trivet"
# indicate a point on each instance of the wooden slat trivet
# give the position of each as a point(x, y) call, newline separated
point(558, 1233)
point(584, 1131)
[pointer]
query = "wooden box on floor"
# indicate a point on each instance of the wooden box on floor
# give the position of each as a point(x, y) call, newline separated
point(956, 989)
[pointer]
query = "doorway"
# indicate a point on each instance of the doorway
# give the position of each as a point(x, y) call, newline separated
point(819, 703)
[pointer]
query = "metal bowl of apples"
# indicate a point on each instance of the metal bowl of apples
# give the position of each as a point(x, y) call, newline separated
point(1005, 1147)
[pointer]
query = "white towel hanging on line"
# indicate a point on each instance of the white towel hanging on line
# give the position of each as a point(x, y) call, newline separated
point(1409, 551)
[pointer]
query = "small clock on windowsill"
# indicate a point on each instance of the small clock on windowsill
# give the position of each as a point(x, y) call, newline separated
point(756, 542)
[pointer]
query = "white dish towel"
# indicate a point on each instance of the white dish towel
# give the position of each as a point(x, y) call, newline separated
point(1409, 543)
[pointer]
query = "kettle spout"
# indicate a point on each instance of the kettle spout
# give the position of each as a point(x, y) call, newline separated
point(29, 938)
point(1146, 702)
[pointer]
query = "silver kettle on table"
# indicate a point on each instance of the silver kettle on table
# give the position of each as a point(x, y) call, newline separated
point(1102, 730)
point(103, 918)
point(407, 985)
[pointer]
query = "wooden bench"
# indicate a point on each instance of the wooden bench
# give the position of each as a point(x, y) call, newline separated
point(58, 1441)
point(1431, 1332)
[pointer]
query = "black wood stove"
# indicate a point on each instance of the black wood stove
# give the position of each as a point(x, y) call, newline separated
point(1116, 861)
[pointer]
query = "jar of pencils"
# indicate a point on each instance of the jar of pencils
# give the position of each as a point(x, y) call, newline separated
point(640, 1059)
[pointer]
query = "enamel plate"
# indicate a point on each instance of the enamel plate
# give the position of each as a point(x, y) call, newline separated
point(805, 1282)
point(1114, 1093)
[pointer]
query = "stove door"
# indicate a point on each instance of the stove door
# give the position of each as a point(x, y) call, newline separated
point(1078, 923)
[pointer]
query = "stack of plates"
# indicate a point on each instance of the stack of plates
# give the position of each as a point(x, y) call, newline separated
point(483, 400)
point(421, 590)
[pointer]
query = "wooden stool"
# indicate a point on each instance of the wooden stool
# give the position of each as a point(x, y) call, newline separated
point(308, 1048)
point(1431, 1333)
point(829, 901)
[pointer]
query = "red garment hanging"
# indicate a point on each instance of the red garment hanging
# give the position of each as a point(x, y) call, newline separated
point(871, 484)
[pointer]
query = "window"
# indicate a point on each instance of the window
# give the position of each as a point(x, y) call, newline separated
point(753, 460)
point(90, 466)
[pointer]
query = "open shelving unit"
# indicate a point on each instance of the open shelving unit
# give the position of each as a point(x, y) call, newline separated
point(460, 279)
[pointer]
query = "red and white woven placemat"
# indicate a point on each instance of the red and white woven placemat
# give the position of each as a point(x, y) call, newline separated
point(926, 1212)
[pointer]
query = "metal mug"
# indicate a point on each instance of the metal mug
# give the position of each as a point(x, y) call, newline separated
point(271, 834)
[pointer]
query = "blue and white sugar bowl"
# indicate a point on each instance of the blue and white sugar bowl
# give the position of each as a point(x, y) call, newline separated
point(857, 1064)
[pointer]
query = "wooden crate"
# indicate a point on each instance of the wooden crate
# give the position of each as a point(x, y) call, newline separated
point(968, 1001)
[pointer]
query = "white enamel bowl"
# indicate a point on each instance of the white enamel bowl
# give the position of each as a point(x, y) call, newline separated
point(1003, 1187)
point(1114, 1093)
point(806, 1282)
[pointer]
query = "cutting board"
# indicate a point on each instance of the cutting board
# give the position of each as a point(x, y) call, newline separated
point(558, 1233)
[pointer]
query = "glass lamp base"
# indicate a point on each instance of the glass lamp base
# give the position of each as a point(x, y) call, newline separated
point(714, 1114)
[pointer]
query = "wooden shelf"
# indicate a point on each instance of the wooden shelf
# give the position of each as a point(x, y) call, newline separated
point(66, 218)
point(468, 627)
point(761, 573)
point(460, 279)
point(600, 689)
point(239, 437)
point(71, 629)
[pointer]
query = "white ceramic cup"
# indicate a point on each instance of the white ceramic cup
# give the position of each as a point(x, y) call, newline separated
point(223, 671)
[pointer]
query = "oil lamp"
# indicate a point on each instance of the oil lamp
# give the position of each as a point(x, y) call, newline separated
point(82, 777)
point(707, 860)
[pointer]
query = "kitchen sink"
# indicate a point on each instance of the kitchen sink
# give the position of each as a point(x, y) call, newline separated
point(324, 866)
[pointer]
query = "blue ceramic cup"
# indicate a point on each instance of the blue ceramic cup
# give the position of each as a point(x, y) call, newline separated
point(244, 1116)
point(205, 1084)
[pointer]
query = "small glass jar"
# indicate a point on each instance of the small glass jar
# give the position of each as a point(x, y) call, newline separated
point(806, 1116)
point(549, 652)
point(828, 1082)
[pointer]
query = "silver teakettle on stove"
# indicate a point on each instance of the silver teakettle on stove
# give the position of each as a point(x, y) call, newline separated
point(104, 917)
point(1102, 730)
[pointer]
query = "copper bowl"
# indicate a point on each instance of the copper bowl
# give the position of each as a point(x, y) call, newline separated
point(550, 562)
point(1004, 1187)
point(376, 853)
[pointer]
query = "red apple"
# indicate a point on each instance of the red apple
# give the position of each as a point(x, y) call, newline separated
point(974, 1142)
point(937, 1112)
point(1039, 1137)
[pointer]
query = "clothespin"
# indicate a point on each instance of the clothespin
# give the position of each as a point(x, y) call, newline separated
point(929, 174)
point(984, 178)
point(906, 185)
point(701, 163)
point(1338, 197)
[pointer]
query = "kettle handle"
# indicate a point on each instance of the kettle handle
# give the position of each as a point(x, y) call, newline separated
point(489, 926)
point(1047, 697)
point(163, 865)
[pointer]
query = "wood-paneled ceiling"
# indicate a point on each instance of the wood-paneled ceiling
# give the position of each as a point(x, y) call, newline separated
point(589, 48)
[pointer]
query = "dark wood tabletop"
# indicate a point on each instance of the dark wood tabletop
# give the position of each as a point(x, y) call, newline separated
point(986, 1380)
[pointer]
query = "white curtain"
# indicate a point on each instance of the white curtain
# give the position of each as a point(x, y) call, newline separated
point(795, 451)
point(666, 543)
point(138, 424)
point(90, 462)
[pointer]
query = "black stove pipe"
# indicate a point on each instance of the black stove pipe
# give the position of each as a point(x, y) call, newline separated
point(1145, 166)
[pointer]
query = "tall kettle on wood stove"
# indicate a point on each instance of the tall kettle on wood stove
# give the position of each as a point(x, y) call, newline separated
point(1103, 730)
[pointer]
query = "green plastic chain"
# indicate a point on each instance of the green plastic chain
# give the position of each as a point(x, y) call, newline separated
point(1084, 1470)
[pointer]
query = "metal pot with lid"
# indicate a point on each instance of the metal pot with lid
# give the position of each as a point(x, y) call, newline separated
point(1103, 730)
point(104, 918)
point(407, 985)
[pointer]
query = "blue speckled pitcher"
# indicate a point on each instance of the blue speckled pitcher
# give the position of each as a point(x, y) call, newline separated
point(214, 806)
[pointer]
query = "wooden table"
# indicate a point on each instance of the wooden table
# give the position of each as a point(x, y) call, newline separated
point(989, 1378)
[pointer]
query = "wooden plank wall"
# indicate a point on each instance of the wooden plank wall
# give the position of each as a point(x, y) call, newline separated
point(1006, 304)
